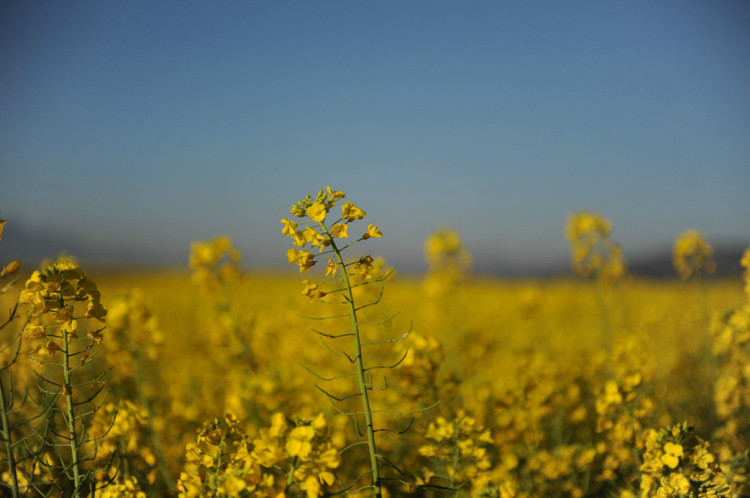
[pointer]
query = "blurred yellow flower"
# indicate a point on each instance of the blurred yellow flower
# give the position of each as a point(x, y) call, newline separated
point(692, 255)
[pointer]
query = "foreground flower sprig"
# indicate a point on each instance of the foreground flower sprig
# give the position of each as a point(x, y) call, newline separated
point(322, 230)
point(63, 301)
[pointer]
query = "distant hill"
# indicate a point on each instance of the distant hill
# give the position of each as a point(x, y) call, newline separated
point(32, 247)
point(659, 264)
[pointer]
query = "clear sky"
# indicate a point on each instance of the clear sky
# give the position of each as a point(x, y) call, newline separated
point(130, 128)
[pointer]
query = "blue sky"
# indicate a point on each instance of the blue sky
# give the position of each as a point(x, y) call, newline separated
point(129, 129)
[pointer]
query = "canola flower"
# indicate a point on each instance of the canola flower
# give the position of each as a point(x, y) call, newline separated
point(693, 255)
point(592, 250)
point(448, 260)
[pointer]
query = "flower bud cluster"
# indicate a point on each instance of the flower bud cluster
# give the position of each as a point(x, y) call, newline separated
point(460, 444)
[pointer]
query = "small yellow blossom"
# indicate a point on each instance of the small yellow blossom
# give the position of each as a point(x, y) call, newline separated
point(10, 268)
point(351, 212)
point(672, 454)
point(290, 227)
point(331, 268)
point(317, 212)
point(311, 290)
point(340, 231)
point(372, 231)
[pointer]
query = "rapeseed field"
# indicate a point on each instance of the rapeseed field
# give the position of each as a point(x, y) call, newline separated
point(344, 377)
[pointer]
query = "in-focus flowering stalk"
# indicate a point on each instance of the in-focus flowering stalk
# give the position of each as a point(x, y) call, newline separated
point(324, 235)
point(62, 299)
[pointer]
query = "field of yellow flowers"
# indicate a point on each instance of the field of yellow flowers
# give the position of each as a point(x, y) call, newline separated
point(348, 378)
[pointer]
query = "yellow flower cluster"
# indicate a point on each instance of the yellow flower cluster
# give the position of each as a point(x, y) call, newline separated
point(731, 336)
point(460, 445)
point(283, 459)
point(449, 262)
point(214, 263)
point(677, 463)
point(127, 488)
point(133, 329)
point(692, 255)
point(593, 252)
point(316, 232)
point(121, 431)
point(55, 292)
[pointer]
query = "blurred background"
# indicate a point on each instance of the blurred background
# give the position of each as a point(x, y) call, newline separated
point(130, 129)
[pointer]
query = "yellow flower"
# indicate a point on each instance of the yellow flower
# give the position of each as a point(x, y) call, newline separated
point(316, 239)
point(311, 290)
point(299, 441)
point(48, 349)
point(364, 267)
point(291, 255)
point(334, 195)
point(351, 212)
point(305, 261)
point(10, 268)
point(675, 484)
point(311, 486)
point(317, 212)
point(692, 255)
point(672, 454)
point(340, 231)
point(290, 227)
point(331, 268)
point(372, 231)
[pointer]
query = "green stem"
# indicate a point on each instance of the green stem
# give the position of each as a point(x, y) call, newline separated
point(360, 368)
point(604, 315)
point(218, 465)
point(8, 442)
point(70, 413)
point(290, 476)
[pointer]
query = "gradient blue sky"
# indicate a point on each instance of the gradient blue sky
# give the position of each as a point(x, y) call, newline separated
point(135, 127)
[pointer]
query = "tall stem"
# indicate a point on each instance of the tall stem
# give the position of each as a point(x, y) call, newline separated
point(360, 368)
point(70, 413)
